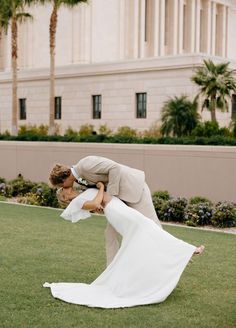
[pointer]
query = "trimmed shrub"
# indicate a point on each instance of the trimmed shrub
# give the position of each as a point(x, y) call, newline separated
point(209, 129)
point(234, 129)
point(161, 194)
point(173, 210)
point(45, 195)
point(198, 214)
point(224, 215)
point(19, 186)
point(153, 132)
point(158, 205)
point(86, 130)
point(199, 199)
point(29, 199)
point(2, 180)
point(71, 133)
point(105, 130)
point(126, 131)
point(41, 130)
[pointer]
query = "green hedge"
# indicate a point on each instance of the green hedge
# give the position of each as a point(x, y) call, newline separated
point(214, 140)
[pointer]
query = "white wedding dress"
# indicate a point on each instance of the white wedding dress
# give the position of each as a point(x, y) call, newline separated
point(145, 270)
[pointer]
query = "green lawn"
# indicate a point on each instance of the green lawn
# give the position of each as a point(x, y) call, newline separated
point(36, 245)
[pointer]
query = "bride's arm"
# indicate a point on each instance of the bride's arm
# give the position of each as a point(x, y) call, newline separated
point(95, 203)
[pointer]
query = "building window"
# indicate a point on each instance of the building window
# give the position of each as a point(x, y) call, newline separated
point(97, 106)
point(141, 105)
point(233, 115)
point(22, 105)
point(57, 108)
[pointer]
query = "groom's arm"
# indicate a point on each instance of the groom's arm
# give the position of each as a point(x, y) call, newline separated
point(102, 165)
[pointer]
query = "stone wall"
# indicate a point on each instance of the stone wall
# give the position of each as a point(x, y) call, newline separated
point(182, 170)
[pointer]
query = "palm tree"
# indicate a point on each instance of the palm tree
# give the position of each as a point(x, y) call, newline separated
point(12, 12)
point(179, 116)
point(216, 84)
point(56, 4)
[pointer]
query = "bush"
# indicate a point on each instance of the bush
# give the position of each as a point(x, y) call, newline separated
point(224, 215)
point(198, 214)
point(234, 129)
point(126, 131)
point(86, 130)
point(209, 129)
point(158, 205)
point(103, 129)
point(70, 132)
point(29, 199)
point(46, 196)
point(153, 132)
point(199, 199)
point(40, 195)
point(2, 180)
point(2, 188)
point(41, 130)
point(173, 210)
point(161, 194)
point(19, 186)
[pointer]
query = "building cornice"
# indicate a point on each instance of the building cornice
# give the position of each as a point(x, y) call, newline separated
point(114, 68)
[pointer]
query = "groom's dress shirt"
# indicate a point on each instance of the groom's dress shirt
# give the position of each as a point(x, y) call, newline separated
point(80, 180)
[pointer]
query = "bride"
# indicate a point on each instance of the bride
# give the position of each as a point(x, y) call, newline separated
point(147, 266)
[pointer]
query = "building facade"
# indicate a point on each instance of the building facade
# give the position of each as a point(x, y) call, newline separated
point(117, 61)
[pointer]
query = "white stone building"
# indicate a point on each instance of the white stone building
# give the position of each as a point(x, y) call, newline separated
point(117, 61)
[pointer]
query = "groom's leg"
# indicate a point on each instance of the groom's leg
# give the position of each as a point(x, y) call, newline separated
point(145, 205)
point(112, 243)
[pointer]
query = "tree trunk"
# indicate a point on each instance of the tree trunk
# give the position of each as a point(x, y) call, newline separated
point(52, 31)
point(14, 126)
point(213, 109)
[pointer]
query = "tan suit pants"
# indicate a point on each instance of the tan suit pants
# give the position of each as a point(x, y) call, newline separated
point(144, 206)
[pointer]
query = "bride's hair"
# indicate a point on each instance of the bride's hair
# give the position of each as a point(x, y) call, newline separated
point(62, 199)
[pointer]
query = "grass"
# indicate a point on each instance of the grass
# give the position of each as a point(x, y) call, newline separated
point(37, 246)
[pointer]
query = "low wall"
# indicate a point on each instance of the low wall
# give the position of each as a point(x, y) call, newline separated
point(182, 170)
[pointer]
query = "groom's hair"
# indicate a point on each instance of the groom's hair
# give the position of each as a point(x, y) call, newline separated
point(58, 174)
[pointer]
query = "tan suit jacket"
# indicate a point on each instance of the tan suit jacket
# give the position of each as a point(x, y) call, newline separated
point(122, 181)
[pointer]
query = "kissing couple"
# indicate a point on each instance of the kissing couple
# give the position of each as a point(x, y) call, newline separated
point(148, 264)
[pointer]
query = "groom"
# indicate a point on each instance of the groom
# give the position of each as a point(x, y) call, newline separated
point(121, 181)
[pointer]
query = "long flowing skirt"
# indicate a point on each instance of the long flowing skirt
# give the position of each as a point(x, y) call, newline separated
point(145, 270)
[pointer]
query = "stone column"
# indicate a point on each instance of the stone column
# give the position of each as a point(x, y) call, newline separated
point(156, 27)
point(181, 27)
point(142, 26)
point(213, 28)
point(192, 34)
point(197, 34)
point(122, 29)
point(208, 29)
point(162, 28)
point(224, 31)
point(75, 17)
point(174, 36)
point(87, 34)
point(136, 29)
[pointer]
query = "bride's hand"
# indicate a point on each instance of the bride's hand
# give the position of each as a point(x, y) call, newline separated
point(99, 185)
